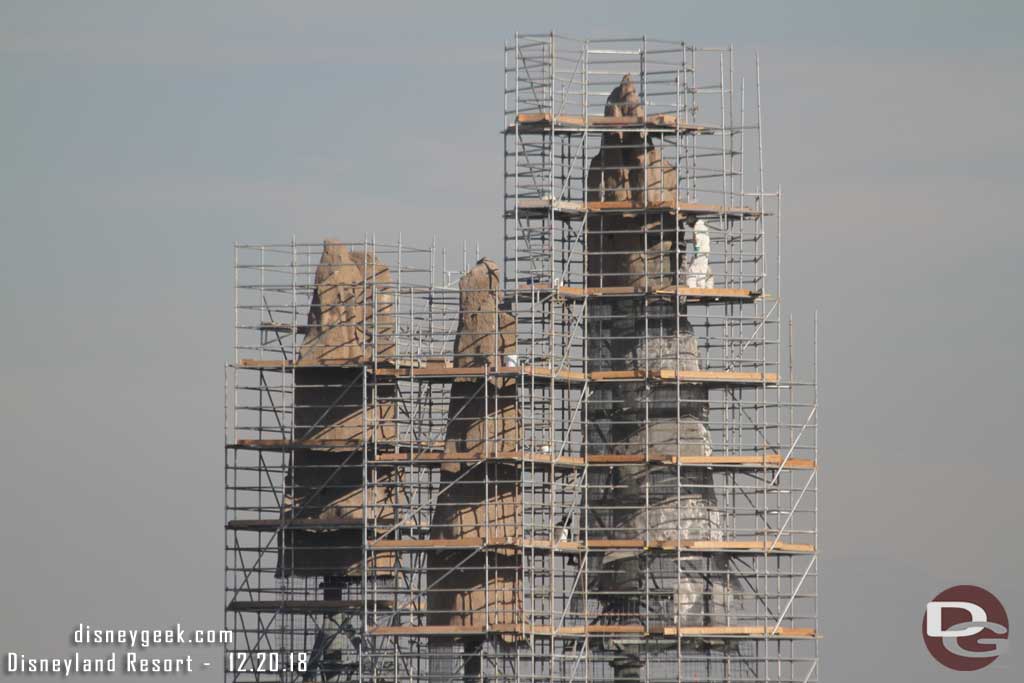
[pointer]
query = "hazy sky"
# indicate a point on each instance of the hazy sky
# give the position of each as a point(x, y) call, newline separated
point(139, 141)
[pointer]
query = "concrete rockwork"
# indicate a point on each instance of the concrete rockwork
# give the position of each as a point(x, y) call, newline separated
point(645, 501)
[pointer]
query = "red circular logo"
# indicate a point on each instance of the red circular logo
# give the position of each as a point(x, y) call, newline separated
point(965, 628)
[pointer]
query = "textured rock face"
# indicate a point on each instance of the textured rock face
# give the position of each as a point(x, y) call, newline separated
point(482, 589)
point(651, 268)
point(329, 405)
point(351, 316)
point(657, 502)
point(482, 417)
point(350, 322)
point(482, 501)
point(676, 349)
point(483, 414)
point(479, 500)
point(628, 163)
point(624, 100)
point(667, 343)
point(613, 242)
point(330, 486)
point(486, 334)
point(686, 436)
point(625, 167)
point(626, 249)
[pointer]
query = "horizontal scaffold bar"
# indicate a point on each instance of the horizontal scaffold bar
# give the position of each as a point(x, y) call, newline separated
point(782, 632)
point(544, 122)
point(770, 460)
point(690, 294)
point(428, 371)
point(292, 524)
point(345, 445)
point(444, 372)
point(715, 377)
point(592, 545)
point(435, 457)
point(571, 210)
point(520, 543)
point(307, 606)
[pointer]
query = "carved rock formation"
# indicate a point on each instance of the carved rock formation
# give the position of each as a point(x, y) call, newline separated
point(624, 100)
point(630, 249)
point(486, 334)
point(483, 414)
point(645, 501)
point(479, 500)
point(329, 406)
point(628, 162)
point(351, 316)
point(350, 323)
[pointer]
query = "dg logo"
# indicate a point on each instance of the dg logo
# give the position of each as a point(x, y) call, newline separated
point(965, 628)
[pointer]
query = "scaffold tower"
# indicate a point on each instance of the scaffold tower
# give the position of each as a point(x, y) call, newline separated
point(592, 460)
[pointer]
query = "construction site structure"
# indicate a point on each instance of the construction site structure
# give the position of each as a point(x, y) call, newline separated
point(592, 461)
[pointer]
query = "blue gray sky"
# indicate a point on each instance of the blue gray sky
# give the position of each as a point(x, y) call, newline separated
point(140, 140)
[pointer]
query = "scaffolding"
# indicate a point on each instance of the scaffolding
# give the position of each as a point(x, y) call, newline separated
point(594, 462)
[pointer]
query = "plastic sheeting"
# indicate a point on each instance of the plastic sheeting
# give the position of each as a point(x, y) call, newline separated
point(698, 272)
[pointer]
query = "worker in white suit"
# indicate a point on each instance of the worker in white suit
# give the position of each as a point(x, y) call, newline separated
point(698, 271)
